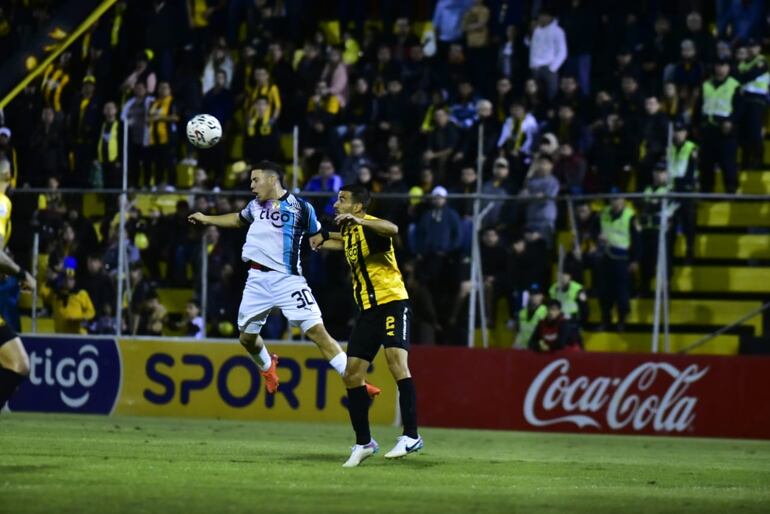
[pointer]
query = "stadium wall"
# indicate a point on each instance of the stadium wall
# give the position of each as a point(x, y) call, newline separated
point(186, 378)
point(593, 392)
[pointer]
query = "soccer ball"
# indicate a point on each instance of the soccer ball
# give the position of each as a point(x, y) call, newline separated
point(204, 131)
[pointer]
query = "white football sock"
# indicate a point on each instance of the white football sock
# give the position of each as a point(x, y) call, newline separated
point(339, 362)
point(262, 359)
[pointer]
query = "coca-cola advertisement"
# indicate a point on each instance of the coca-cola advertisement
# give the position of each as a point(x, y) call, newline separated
point(594, 392)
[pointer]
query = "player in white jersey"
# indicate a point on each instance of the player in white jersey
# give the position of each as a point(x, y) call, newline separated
point(278, 221)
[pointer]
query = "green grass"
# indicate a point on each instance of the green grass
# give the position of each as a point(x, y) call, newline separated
point(60, 464)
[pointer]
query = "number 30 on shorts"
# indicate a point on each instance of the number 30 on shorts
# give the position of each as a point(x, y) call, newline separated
point(304, 298)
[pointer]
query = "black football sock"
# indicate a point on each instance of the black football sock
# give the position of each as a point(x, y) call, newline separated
point(407, 399)
point(358, 407)
point(9, 381)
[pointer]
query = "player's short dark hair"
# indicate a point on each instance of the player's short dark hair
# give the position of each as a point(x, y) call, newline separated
point(359, 194)
point(270, 167)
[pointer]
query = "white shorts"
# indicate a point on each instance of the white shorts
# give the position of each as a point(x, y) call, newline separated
point(266, 290)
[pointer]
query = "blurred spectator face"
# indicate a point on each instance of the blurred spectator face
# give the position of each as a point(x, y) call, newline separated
point(566, 113)
point(200, 176)
point(95, 265)
point(680, 136)
point(694, 22)
point(361, 86)
point(87, 89)
point(517, 111)
point(669, 90)
point(500, 170)
point(276, 52)
point(583, 211)
point(192, 310)
point(393, 143)
point(335, 56)
point(724, 51)
point(623, 58)
point(322, 88)
point(465, 89)
point(687, 50)
point(394, 87)
point(67, 233)
point(53, 183)
point(261, 106)
point(519, 246)
point(48, 116)
point(441, 117)
point(755, 50)
point(484, 108)
point(531, 87)
point(311, 51)
point(261, 76)
point(140, 90)
point(662, 25)
point(326, 168)
point(426, 176)
point(503, 86)
point(536, 298)
point(416, 53)
point(401, 27)
point(136, 274)
point(544, 19)
point(660, 177)
point(468, 176)
point(164, 89)
point(438, 201)
point(110, 111)
point(223, 204)
point(364, 175)
point(357, 147)
point(456, 54)
point(742, 53)
point(603, 97)
point(220, 79)
point(544, 167)
point(566, 278)
point(613, 122)
point(437, 97)
point(383, 54)
point(629, 85)
point(617, 204)
point(201, 204)
point(568, 85)
point(69, 282)
point(721, 70)
point(652, 105)
point(553, 312)
point(566, 151)
point(490, 238)
point(395, 174)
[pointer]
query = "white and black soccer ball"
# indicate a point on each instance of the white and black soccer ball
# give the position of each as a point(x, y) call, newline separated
point(204, 131)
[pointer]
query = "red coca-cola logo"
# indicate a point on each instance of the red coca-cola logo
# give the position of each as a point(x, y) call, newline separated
point(654, 394)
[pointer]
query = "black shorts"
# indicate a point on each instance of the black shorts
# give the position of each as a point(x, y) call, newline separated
point(387, 325)
point(6, 334)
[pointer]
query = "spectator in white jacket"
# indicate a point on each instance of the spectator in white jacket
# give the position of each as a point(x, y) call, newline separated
point(547, 52)
point(517, 138)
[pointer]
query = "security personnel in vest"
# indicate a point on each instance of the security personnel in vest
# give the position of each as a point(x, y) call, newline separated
point(109, 149)
point(649, 221)
point(619, 241)
point(719, 144)
point(683, 173)
point(574, 302)
point(529, 316)
point(754, 76)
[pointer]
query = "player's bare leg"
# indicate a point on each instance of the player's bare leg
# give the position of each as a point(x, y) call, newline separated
point(358, 408)
point(332, 351)
point(410, 441)
point(266, 362)
point(14, 368)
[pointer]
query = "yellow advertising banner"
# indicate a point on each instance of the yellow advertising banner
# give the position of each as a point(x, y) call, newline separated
point(219, 380)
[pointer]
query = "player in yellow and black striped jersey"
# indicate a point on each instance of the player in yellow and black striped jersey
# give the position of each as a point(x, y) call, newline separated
point(14, 362)
point(384, 318)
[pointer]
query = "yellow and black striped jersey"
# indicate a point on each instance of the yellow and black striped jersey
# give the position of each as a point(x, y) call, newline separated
point(376, 277)
point(5, 219)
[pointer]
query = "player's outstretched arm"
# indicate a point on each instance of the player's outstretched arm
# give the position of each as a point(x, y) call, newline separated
point(380, 227)
point(334, 242)
point(11, 268)
point(231, 220)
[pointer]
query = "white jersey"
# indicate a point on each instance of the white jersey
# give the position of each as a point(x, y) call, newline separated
point(276, 229)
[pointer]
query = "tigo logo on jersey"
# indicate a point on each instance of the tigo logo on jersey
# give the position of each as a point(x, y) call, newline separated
point(70, 375)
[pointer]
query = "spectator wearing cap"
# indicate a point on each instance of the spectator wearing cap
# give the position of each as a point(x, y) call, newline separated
point(529, 316)
point(541, 188)
point(650, 220)
point(71, 305)
point(547, 52)
point(555, 333)
point(619, 244)
point(716, 115)
point(682, 165)
point(84, 121)
point(754, 76)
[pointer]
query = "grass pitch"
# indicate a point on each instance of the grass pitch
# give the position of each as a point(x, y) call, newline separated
point(83, 464)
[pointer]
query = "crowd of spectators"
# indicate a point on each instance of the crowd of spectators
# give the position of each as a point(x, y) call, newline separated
point(573, 96)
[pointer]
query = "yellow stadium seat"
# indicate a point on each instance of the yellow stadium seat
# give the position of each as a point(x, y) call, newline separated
point(720, 279)
point(287, 146)
point(44, 325)
point(734, 214)
point(727, 246)
point(749, 182)
point(93, 205)
point(166, 203)
point(331, 30)
point(175, 299)
point(690, 312)
point(642, 343)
